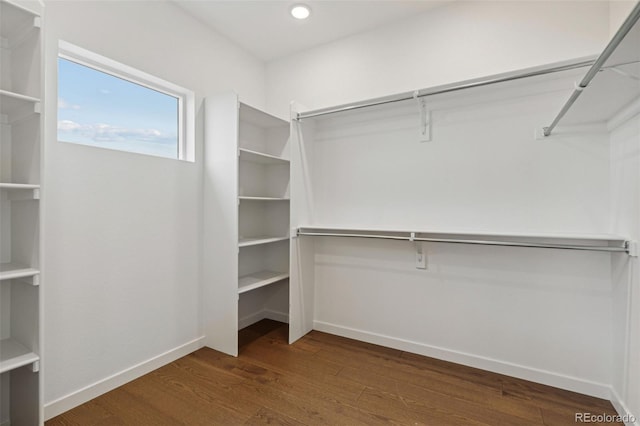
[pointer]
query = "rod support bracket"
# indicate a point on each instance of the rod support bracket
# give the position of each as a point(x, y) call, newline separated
point(578, 87)
point(424, 133)
point(632, 248)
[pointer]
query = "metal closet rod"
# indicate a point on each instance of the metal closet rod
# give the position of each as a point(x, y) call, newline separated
point(503, 78)
point(597, 66)
point(624, 249)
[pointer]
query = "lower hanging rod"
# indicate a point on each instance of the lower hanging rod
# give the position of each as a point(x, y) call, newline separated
point(609, 249)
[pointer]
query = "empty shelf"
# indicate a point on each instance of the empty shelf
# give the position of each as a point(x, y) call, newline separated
point(9, 271)
point(260, 157)
point(242, 197)
point(259, 118)
point(16, 23)
point(14, 355)
point(254, 241)
point(259, 279)
point(16, 106)
point(21, 191)
point(18, 186)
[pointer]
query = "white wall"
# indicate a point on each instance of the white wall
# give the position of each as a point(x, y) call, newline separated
point(122, 230)
point(459, 41)
point(618, 12)
point(625, 200)
point(542, 315)
point(499, 309)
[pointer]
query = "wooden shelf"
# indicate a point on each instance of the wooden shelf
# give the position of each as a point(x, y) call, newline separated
point(10, 271)
point(242, 197)
point(16, 106)
point(260, 157)
point(14, 355)
point(259, 279)
point(254, 241)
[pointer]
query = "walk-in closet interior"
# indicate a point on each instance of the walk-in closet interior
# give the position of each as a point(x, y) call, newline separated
point(455, 181)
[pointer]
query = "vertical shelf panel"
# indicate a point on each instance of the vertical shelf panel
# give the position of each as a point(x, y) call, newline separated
point(21, 88)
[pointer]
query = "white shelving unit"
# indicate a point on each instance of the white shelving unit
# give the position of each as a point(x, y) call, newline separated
point(21, 87)
point(246, 246)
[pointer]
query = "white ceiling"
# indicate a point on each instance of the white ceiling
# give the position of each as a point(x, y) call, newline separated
point(266, 28)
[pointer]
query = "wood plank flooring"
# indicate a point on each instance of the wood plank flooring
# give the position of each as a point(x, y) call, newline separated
point(326, 380)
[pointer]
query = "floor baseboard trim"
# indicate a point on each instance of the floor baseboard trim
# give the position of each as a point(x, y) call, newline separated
point(253, 318)
point(107, 384)
point(276, 316)
point(574, 384)
point(623, 410)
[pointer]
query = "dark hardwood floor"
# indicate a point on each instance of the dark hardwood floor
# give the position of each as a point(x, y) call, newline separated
point(326, 380)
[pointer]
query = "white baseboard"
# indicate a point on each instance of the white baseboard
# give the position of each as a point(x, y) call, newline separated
point(260, 315)
point(574, 384)
point(623, 410)
point(67, 402)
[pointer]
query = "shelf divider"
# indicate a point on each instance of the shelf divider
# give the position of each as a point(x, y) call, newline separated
point(260, 157)
point(15, 355)
point(254, 241)
point(247, 198)
point(17, 106)
point(259, 279)
point(10, 271)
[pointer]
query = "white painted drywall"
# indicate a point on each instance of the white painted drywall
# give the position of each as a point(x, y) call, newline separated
point(543, 315)
point(122, 230)
point(625, 201)
point(463, 40)
point(618, 12)
point(476, 305)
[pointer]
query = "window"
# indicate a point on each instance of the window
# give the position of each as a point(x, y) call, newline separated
point(106, 104)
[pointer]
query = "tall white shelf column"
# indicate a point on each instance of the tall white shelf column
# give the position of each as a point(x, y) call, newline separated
point(246, 220)
point(21, 88)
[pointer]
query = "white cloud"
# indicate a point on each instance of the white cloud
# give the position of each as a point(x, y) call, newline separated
point(101, 132)
point(62, 104)
point(68, 125)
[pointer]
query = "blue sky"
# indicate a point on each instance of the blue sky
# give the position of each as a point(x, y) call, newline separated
point(95, 108)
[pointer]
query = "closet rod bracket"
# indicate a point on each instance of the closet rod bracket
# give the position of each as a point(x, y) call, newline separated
point(424, 133)
point(632, 248)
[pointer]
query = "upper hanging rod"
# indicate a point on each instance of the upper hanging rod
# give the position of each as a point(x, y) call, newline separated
point(500, 78)
point(597, 66)
point(624, 248)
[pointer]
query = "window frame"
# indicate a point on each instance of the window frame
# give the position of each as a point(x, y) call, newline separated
point(186, 98)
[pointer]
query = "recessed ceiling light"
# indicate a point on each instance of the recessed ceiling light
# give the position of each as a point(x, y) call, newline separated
point(300, 11)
